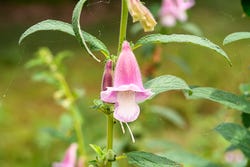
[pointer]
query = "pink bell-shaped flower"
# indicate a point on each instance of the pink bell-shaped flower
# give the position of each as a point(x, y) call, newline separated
point(172, 10)
point(69, 158)
point(128, 89)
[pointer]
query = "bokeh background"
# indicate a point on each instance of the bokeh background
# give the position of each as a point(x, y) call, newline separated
point(29, 116)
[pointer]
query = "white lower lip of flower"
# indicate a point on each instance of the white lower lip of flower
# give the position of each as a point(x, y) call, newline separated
point(127, 110)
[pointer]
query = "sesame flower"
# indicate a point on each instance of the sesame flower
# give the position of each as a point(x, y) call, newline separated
point(127, 89)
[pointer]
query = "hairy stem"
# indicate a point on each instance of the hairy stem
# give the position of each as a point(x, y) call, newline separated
point(122, 37)
point(110, 124)
point(123, 25)
point(110, 131)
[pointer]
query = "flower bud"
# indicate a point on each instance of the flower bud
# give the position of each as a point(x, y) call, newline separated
point(107, 79)
point(140, 13)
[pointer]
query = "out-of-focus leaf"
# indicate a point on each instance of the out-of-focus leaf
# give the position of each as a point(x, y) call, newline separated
point(178, 154)
point(77, 28)
point(245, 119)
point(2, 113)
point(181, 38)
point(246, 6)
point(55, 25)
point(245, 89)
point(97, 149)
point(66, 123)
point(57, 134)
point(169, 114)
point(166, 83)
point(154, 8)
point(237, 135)
point(79, 92)
point(135, 28)
point(43, 139)
point(34, 62)
point(189, 159)
point(181, 63)
point(236, 37)
point(45, 77)
point(61, 56)
point(144, 159)
point(226, 98)
point(192, 28)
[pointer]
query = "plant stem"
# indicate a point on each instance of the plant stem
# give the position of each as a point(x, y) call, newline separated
point(110, 124)
point(122, 37)
point(123, 25)
point(110, 131)
point(74, 111)
point(78, 129)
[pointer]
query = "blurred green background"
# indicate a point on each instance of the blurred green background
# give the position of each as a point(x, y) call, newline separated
point(27, 108)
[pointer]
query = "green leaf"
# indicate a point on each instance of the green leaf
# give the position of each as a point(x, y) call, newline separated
point(236, 37)
point(61, 56)
point(44, 76)
point(226, 98)
point(176, 153)
point(181, 63)
point(77, 28)
point(66, 123)
point(166, 83)
point(144, 159)
point(189, 159)
point(181, 38)
point(98, 150)
point(237, 135)
point(169, 114)
point(57, 134)
point(34, 63)
point(245, 89)
point(246, 6)
point(192, 28)
point(55, 25)
point(245, 117)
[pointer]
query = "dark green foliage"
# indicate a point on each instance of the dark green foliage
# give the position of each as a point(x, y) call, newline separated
point(226, 98)
point(246, 6)
point(245, 119)
point(237, 135)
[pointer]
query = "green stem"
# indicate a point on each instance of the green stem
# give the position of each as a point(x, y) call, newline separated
point(78, 129)
point(123, 25)
point(121, 157)
point(74, 111)
point(122, 37)
point(110, 123)
point(110, 131)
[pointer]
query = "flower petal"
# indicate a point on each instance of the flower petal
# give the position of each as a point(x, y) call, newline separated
point(110, 95)
point(127, 70)
point(69, 158)
point(126, 109)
